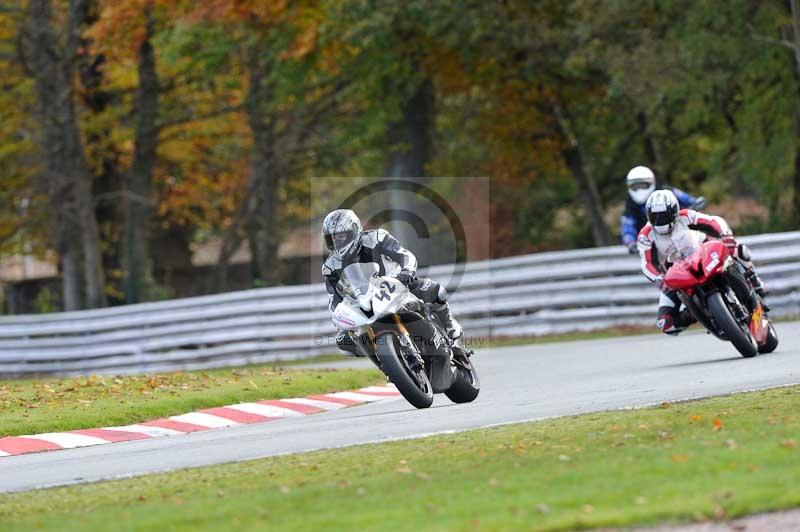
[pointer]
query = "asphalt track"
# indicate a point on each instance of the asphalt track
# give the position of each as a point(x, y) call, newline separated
point(518, 384)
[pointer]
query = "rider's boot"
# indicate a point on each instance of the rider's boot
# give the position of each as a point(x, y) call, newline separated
point(672, 322)
point(758, 285)
point(347, 342)
point(745, 258)
point(685, 318)
point(444, 314)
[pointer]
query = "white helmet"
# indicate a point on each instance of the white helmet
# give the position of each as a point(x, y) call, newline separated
point(662, 209)
point(641, 183)
point(341, 231)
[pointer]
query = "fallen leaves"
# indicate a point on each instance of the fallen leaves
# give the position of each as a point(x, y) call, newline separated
point(790, 443)
point(679, 458)
point(717, 424)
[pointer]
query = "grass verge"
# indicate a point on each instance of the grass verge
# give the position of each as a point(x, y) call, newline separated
point(709, 459)
point(52, 405)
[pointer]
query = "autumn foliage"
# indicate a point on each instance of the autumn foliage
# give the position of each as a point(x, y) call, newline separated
point(195, 122)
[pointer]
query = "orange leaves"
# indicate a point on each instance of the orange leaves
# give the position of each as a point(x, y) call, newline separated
point(447, 68)
point(304, 43)
point(253, 11)
point(717, 425)
point(121, 27)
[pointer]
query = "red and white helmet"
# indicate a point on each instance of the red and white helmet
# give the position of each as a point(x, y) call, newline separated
point(641, 183)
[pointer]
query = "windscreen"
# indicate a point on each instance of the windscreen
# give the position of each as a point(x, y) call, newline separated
point(354, 281)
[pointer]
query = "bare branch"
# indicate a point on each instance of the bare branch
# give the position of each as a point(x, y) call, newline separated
point(770, 40)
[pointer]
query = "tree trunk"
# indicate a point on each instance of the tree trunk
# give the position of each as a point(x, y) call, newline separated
point(410, 139)
point(587, 190)
point(70, 277)
point(409, 143)
point(262, 219)
point(796, 210)
point(107, 182)
point(139, 199)
point(64, 165)
point(647, 139)
point(234, 236)
point(794, 6)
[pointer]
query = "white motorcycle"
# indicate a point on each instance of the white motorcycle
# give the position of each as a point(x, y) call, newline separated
point(403, 338)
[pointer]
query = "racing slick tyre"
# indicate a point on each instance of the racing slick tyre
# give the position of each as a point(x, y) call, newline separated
point(772, 341)
point(741, 338)
point(466, 386)
point(413, 385)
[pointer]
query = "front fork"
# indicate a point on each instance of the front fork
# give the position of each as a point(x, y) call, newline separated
point(409, 348)
point(696, 305)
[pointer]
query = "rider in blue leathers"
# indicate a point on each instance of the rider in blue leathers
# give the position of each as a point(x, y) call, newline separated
point(641, 183)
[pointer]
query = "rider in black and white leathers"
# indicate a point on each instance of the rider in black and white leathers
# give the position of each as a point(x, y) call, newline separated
point(392, 259)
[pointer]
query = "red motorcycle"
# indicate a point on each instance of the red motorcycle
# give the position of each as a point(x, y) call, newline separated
point(713, 286)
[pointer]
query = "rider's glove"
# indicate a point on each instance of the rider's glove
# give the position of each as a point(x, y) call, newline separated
point(699, 203)
point(405, 276)
point(633, 248)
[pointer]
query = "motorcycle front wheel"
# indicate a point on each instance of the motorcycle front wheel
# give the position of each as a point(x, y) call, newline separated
point(413, 385)
point(741, 338)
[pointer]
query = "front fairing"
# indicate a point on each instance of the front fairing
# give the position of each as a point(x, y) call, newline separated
point(349, 317)
point(709, 261)
point(379, 297)
point(388, 295)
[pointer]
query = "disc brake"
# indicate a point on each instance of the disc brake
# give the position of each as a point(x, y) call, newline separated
point(410, 353)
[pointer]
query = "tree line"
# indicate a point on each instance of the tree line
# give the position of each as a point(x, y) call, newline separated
point(133, 129)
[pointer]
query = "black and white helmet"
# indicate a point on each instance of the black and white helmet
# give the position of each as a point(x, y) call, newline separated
point(662, 209)
point(341, 231)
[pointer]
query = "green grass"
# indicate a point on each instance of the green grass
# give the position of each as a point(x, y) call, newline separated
point(49, 405)
point(710, 459)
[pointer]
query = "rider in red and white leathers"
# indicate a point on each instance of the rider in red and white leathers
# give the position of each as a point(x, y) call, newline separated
point(672, 233)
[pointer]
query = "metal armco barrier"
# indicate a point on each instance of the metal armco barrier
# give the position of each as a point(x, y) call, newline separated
point(518, 296)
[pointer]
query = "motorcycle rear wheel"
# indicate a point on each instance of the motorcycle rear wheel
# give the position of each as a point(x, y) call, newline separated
point(466, 386)
point(741, 340)
point(394, 366)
